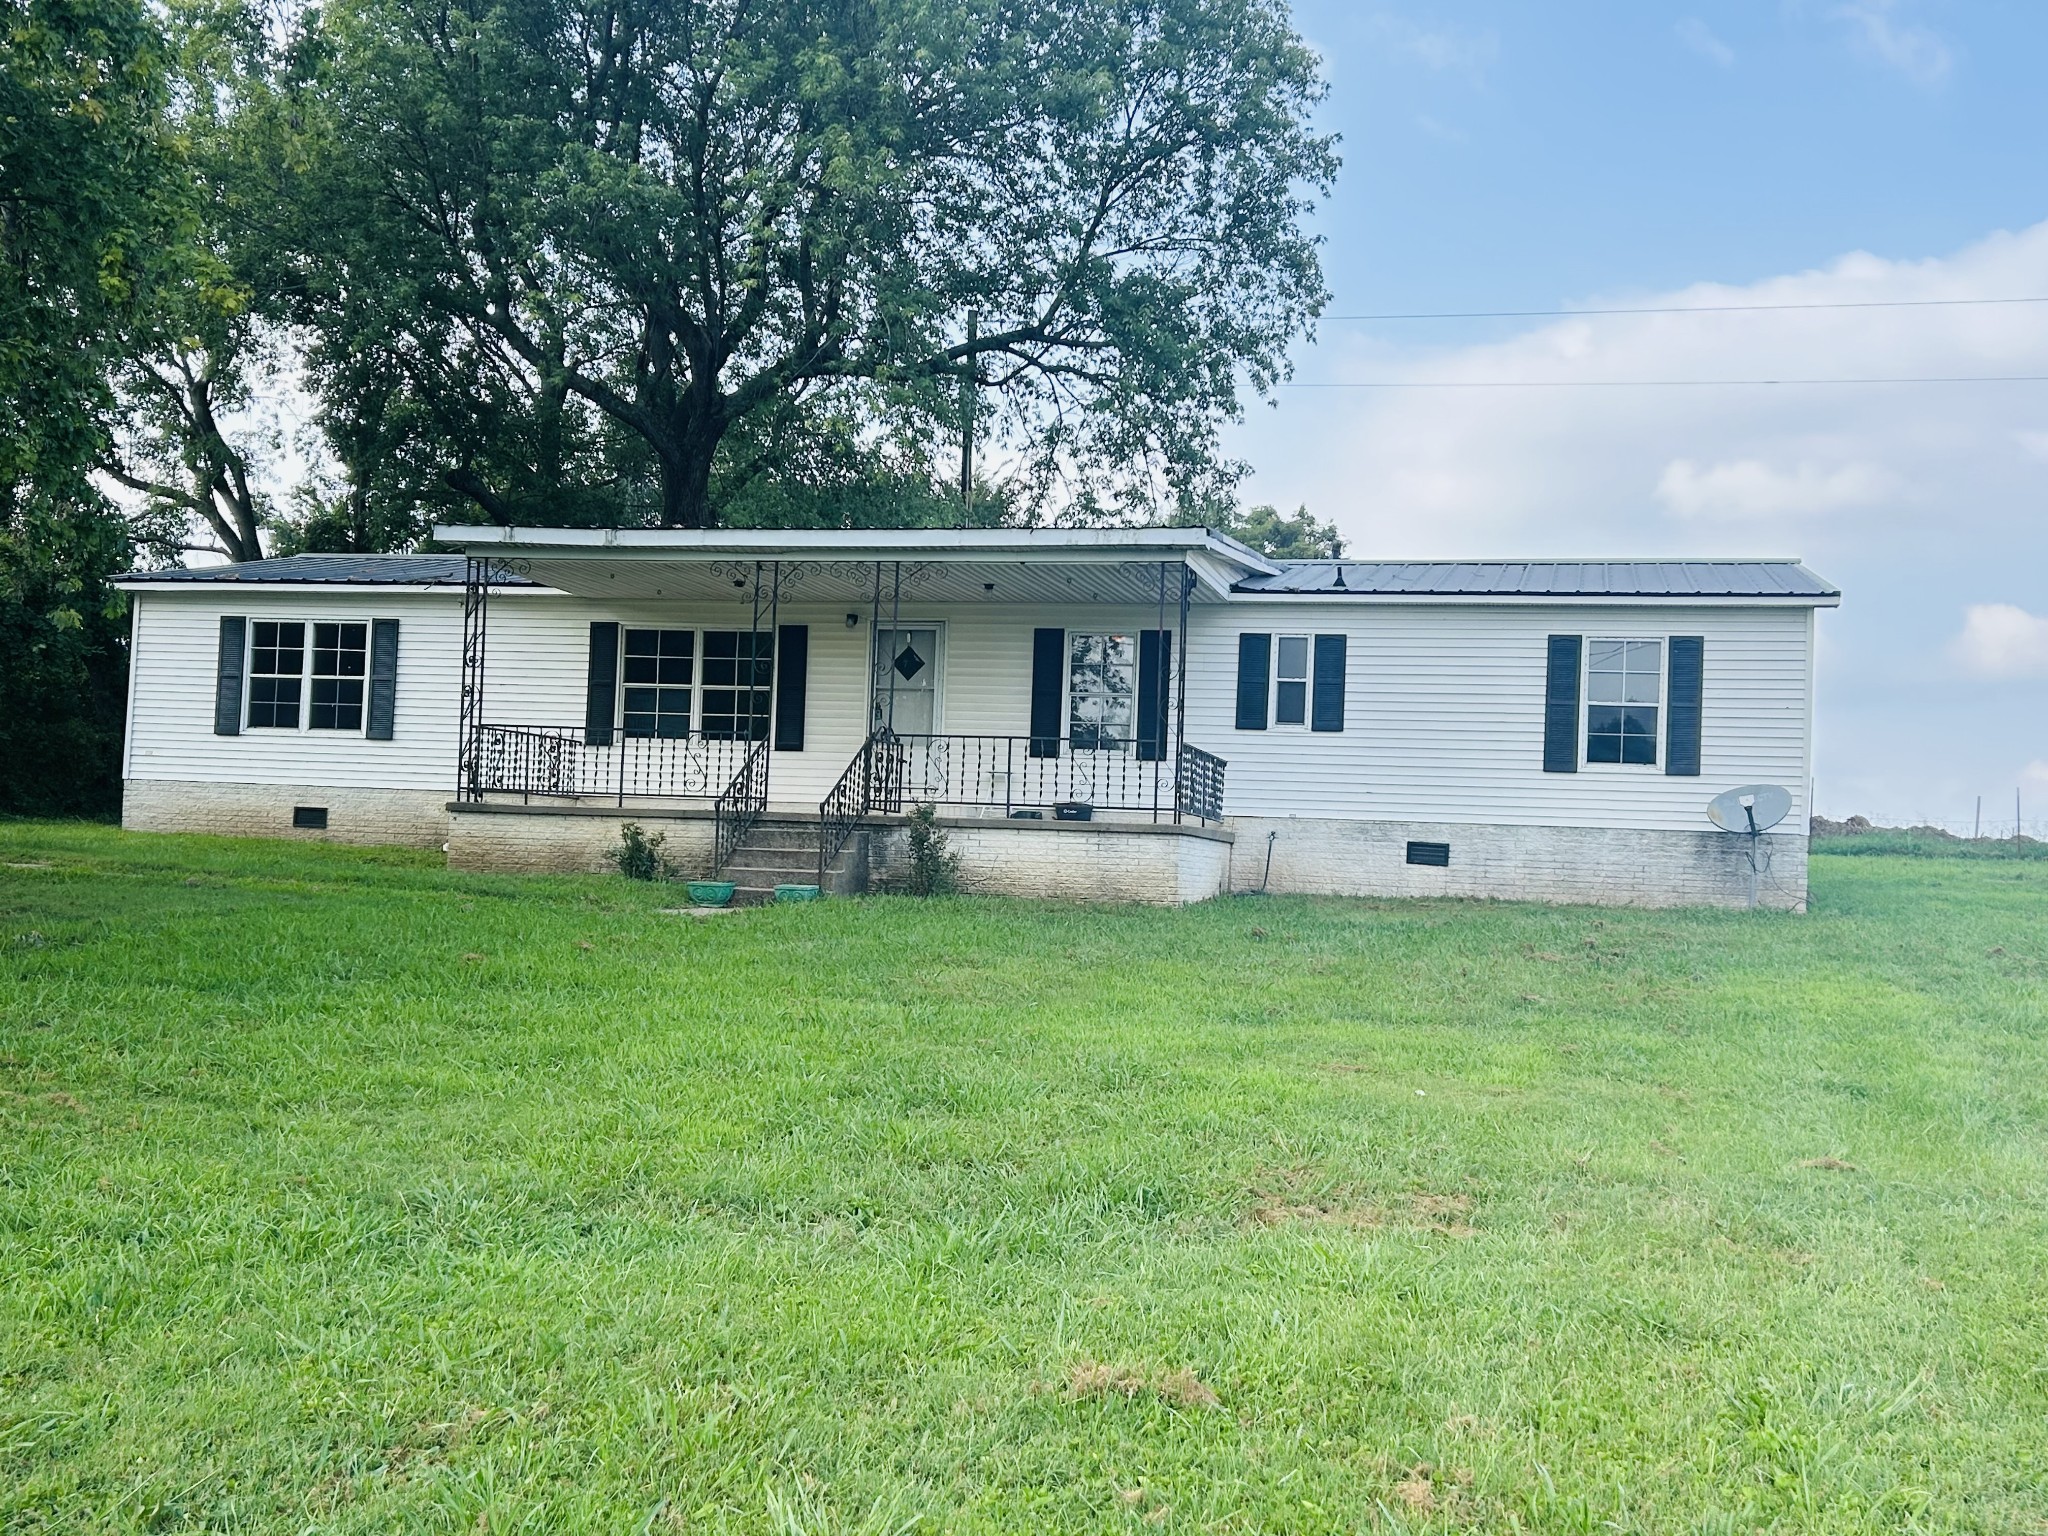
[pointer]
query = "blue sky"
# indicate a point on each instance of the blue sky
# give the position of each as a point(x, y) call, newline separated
point(1585, 152)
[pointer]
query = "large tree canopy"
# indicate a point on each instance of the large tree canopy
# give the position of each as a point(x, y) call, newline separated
point(663, 249)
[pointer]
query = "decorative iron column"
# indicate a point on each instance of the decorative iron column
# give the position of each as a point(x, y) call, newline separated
point(895, 639)
point(476, 596)
point(1180, 694)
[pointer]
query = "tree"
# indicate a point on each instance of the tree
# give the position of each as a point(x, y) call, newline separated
point(1270, 532)
point(680, 241)
point(84, 212)
point(204, 347)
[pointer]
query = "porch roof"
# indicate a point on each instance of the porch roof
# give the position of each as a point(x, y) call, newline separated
point(943, 565)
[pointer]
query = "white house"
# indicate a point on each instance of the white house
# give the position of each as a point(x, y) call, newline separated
point(1151, 714)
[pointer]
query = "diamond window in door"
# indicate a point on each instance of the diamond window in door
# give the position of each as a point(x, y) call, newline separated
point(906, 687)
point(1624, 687)
point(1102, 691)
point(659, 663)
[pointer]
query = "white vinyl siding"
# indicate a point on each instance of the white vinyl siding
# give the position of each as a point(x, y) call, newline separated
point(1444, 714)
point(1443, 717)
point(175, 661)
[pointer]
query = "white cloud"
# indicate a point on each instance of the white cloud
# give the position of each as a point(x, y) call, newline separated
point(2000, 640)
point(1915, 52)
point(1739, 490)
point(1699, 37)
point(1918, 500)
point(1440, 48)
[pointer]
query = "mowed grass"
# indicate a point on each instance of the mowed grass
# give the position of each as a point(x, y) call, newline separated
point(340, 1193)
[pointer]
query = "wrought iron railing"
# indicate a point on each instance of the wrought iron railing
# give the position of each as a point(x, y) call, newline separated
point(560, 761)
point(1004, 772)
point(892, 772)
point(735, 812)
point(1200, 783)
point(872, 782)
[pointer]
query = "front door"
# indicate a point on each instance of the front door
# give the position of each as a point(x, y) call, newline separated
point(907, 680)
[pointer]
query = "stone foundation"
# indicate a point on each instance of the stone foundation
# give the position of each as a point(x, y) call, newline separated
point(409, 818)
point(1599, 866)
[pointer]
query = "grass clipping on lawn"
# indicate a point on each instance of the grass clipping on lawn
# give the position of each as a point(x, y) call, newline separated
point(339, 1192)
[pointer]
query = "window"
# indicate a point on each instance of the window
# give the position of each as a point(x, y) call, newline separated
point(1102, 675)
point(1290, 687)
point(277, 665)
point(340, 652)
point(1624, 688)
point(736, 693)
point(658, 667)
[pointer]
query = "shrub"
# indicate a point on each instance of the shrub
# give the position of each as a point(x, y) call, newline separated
point(640, 857)
point(934, 866)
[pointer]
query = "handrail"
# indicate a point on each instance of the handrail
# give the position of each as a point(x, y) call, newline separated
point(735, 812)
point(873, 781)
point(1017, 774)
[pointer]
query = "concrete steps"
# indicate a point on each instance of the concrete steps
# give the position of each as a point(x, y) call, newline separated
point(787, 854)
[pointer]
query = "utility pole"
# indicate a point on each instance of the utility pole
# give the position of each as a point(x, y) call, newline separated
point(967, 423)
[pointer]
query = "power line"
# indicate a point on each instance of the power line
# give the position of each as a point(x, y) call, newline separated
point(1684, 309)
point(1995, 378)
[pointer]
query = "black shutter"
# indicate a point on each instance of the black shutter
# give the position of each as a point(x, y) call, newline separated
point(1155, 669)
point(601, 697)
point(1254, 679)
point(792, 681)
point(1326, 696)
point(1688, 680)
point(227, 678)
point(1048, 690)
point(383, 678)
point(1561, 705)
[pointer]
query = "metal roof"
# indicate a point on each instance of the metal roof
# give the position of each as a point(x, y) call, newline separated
point(1544, 578)
point(333, 570)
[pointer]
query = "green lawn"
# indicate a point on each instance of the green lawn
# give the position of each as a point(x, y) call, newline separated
point(340, 1193)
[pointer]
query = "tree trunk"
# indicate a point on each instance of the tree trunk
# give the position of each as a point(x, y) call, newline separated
point(686, 469)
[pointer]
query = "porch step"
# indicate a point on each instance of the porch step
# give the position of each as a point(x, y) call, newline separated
point(788, 855)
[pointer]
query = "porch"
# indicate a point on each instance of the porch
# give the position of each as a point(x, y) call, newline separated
point(757, 683)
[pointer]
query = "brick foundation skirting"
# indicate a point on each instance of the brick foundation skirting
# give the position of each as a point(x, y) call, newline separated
point(1604, 866)
point(410, 818)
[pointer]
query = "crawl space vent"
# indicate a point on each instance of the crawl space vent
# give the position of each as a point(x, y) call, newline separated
point(1438, 854)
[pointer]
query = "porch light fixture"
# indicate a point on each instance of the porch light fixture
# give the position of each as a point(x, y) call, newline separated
point(853, 621)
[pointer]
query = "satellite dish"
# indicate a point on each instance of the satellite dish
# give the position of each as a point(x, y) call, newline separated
point(1750, 808)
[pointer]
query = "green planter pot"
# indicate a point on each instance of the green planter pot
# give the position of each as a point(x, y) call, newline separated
point(796, 893)
point(710, 893)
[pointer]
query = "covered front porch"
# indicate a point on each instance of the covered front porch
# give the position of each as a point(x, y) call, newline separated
point(836, 680)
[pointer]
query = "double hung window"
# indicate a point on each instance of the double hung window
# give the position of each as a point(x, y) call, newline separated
point(739, 669)
point(1624, 696)
point(1290, 681)
point(277, 667)
point(340, 661)
point(327, 679)
point(659, 663)
point(1102, 673)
